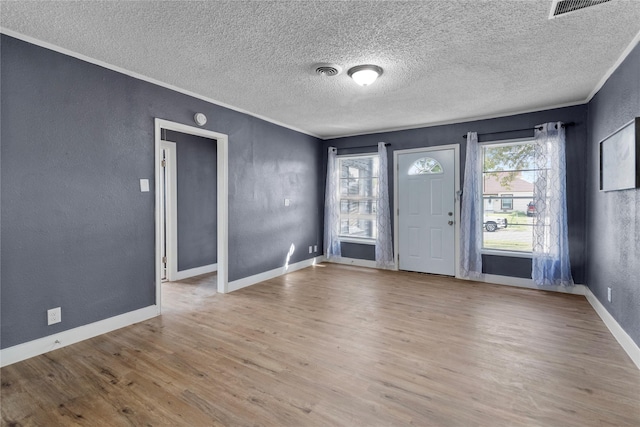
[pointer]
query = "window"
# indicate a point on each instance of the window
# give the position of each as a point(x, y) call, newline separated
point(358, 196)
point(508, 171)
point(507, 202)
point(425, 165)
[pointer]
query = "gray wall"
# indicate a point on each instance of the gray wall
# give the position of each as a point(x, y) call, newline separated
point(197, 169)
point(613, 218)
point(452, 134)
point(358, 251)
point(76, 230)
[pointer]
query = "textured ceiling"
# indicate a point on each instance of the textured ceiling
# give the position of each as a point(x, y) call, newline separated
point(443, 61)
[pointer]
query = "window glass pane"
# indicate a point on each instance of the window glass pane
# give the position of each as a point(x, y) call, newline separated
point(508, 157)
point(359, 167)
point(363, 228)
point(358, 192)
point(507, 202)
point(508, 177)
point(425, 165)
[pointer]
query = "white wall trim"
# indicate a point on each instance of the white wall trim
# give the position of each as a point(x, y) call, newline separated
point(614, 67)
point(520, 282)
point(142, 77)
point(49, 343)
point(197, 271)
point(629, 346)
point(460, 120)
point(280, 271)
point(354, 261)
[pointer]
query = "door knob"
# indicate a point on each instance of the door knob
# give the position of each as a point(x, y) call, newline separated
point(450, 223)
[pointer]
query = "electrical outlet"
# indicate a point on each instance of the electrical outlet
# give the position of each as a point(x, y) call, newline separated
point(54, 316)
point(310, 249)
point(315, 248)
point(287, 202)
point(609, 294)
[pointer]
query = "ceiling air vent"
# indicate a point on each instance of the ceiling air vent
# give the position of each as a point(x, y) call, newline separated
point(562, 7)
point(327, 70)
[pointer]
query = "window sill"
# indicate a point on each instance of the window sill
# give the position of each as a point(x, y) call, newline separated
point(512, 254)
point(357, 240)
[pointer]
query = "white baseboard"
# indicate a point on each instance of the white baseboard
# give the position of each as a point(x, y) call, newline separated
point(354, 261)
point(618, 333)
point(192, 272)
point(252, 280)
point(520, 282)
point(62, 339)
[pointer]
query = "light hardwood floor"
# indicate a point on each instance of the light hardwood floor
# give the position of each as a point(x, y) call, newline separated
point(335, 345)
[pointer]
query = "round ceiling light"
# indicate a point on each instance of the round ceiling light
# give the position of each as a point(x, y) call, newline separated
point(364, 75)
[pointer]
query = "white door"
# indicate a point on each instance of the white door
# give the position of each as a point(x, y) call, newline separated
point(167, 196)
point(426, 211)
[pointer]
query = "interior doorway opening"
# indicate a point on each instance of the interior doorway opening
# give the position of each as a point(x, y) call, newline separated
point(167, 260)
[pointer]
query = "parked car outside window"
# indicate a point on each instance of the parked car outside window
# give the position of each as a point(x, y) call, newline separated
point(493, 224)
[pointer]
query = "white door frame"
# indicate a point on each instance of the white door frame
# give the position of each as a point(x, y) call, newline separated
point(222, 149)
point(168, 198)
point(456, 178)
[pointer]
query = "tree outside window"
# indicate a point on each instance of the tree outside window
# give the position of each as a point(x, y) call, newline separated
point(508, 177)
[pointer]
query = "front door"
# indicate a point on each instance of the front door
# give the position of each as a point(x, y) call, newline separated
point(426, 207)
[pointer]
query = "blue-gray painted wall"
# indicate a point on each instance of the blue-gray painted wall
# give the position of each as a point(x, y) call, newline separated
point(453, 134)
point(197, 180)
point(613, 218)
point(76, 230)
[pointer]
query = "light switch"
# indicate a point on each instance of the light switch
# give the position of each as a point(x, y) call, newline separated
point(287, 202)
point(144, 185)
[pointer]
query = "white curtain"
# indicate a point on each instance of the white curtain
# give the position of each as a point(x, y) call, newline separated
point(471, 215)
point(384, 247)
point(332, 208)
point(550, 264)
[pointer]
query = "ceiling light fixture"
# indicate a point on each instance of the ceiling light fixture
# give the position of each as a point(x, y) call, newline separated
point(364, 75)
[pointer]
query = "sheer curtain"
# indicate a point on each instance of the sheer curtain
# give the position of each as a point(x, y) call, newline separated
point(550, 264)
point(384, 248)
point(332, 208)
point(471, 215)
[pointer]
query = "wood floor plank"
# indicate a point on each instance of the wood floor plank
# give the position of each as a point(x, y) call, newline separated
point(336, 345)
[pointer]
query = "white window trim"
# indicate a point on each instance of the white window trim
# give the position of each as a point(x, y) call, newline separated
point(352, 239)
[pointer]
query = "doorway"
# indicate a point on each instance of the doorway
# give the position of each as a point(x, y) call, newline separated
point(427, 209)
point(166, 180)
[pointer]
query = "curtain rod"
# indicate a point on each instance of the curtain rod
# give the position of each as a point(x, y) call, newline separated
point(520, 130)
point(386, 144)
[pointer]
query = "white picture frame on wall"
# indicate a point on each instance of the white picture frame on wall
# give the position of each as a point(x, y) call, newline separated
point(620, 158)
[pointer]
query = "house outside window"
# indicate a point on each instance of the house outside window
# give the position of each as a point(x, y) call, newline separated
point(358, 197)
point(508, 171)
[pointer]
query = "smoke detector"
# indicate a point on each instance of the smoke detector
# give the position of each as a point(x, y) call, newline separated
point(562, 7)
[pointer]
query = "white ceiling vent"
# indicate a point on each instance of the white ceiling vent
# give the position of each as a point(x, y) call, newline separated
point(327, 70)
point(562, 7)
